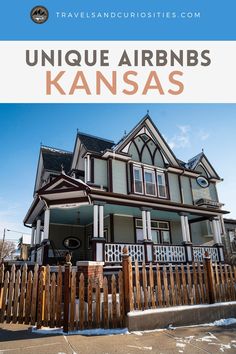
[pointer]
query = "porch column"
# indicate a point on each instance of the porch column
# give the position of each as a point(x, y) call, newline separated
point(38, 232)
point(98, 232)
point(95, 220)
point(149, 229)
point(215, 231)
point(144, 219)
point(187, 229)
point(88, 168)
point(46, 224)
point(32, 236)
point(219, 231)
point(183, 227)
point(101, 221)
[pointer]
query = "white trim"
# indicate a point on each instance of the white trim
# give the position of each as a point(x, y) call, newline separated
point(38, 231)
point(68, 205)
point(137, 168)
point(101, 221)
point(46, 224)
point(153, 183)
point(85, 170)
point(187, 229)
point(88, 168)
point(183, 228)
point(149, 229)
point(162, 174)
point(124, 215)
point(32, 236)
point(95, 220)
point(144, 224)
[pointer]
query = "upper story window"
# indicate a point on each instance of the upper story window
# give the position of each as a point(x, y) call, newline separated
point(138, 180)
point(161, 185)
point(149, 182)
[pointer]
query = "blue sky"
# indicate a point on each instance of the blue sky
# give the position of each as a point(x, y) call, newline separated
point(187, 127)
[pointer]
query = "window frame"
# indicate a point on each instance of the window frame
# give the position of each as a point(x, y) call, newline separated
point(163, 175)
point(158, 229)
point(154, 181)
point(139, 168)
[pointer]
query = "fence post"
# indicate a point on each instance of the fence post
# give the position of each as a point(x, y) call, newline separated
point(210, 278)
point(66, 296)
point(127, 280)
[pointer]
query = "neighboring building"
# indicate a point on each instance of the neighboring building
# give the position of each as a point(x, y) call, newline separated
point(230, 240)
point(135, 192)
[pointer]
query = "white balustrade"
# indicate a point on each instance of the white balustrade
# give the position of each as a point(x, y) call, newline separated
point(114, 251)
point(169, 254)
point(199, 253)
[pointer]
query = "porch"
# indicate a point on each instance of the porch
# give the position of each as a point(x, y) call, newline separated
point(99, 231)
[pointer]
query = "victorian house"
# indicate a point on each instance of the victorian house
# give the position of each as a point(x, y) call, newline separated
point(136, 192)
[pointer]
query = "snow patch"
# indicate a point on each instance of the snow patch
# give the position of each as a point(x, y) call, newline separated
point(86, 332)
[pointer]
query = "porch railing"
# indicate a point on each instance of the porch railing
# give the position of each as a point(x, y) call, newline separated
point(169, 254)
point(113, 252)
point(160, 253)
point(199, 253)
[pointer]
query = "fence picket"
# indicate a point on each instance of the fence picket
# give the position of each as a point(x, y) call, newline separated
point(137, 286)
point(90, 301)
point(195, 282)
point(151, 283)
point(72, 299)
point(10, 294)
point(59, 297)
point(46, 307)
point(172, 286)
point(145, 292)
point(22, 294)
point(105, 303)
point(178, 286)
point(222, 282)
point(159, 287)
point(98, 314)
point(34, 295)
point(81, 301)
point(227, 288)
point(217, 282)
point(232, 286)
point(113, 294)
point(200, 282)
point(28, 298)
point(4, 297)
point(40, 300)
point(185, 291)
point(16, 296)
point(166, 288)
point(121, 298)
point(53, 300)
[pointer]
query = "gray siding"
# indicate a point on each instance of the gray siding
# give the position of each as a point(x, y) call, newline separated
point(174, 188)
point(123, 229)
point(207, 193)
point(186, 190)
point(119, 177)
point(100, 172)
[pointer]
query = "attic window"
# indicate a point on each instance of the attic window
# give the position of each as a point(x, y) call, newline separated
point(145, 137)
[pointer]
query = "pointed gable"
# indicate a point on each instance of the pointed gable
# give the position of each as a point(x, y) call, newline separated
point(145, 143)
point(63, 183)
point(200, 163)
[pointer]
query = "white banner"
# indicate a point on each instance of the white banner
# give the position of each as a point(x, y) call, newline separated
point(118, 71)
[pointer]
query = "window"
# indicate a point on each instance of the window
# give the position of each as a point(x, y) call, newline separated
point(149, 182)
point(71, 243)
point(150, 185)
point(161, 185)
point(138, 180)
point(160, 231)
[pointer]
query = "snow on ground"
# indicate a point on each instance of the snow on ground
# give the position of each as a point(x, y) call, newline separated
point(101, 331)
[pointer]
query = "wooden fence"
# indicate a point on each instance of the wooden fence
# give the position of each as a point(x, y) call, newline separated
point(65, 298)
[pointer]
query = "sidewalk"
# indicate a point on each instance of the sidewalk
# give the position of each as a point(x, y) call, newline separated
point(18, 339)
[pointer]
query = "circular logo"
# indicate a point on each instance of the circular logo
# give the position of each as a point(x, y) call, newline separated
point(39, 14)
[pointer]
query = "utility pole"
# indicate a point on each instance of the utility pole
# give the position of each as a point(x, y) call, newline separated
point(3, 240)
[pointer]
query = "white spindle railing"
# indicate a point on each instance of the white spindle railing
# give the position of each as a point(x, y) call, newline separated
point(113, 252)
point(199, 253)
point(169, 254)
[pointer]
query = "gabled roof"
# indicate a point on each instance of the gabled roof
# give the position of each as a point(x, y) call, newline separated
point(62, 183)
point(146, 124)
point(202, 160)
point(54, 159)
point(94, 143)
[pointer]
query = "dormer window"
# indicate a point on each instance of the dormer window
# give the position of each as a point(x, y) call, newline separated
point(150, 182)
